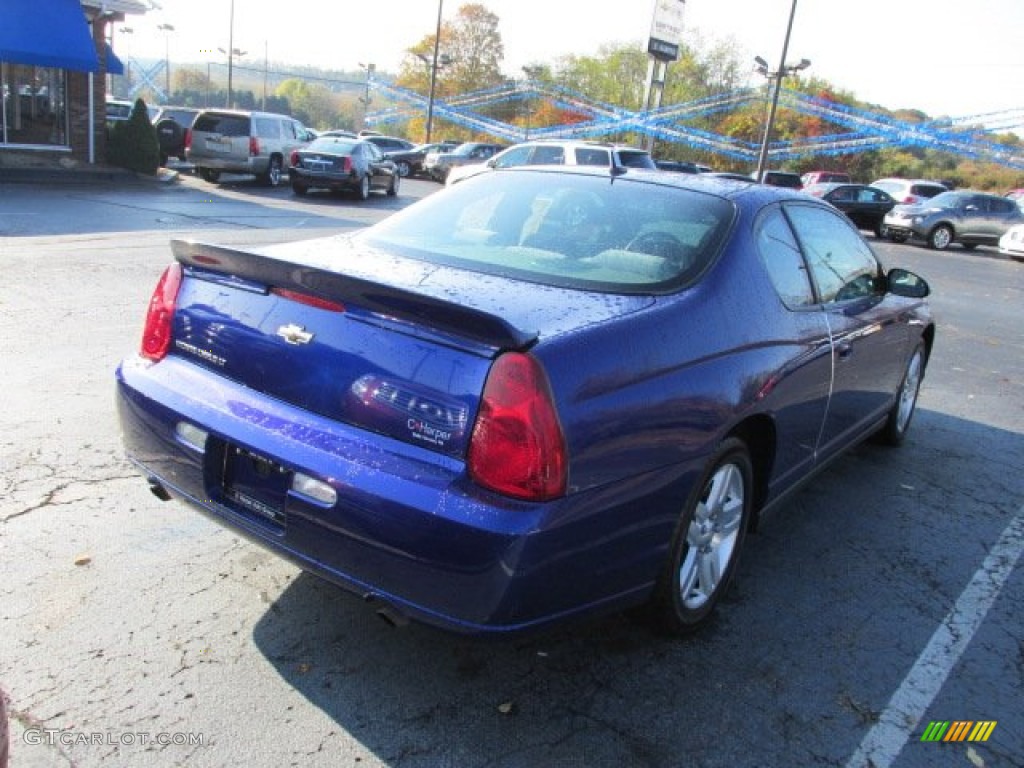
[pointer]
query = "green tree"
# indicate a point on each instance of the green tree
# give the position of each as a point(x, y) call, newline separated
point(133, 143)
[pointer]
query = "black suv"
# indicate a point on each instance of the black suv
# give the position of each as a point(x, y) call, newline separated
point(172, 123)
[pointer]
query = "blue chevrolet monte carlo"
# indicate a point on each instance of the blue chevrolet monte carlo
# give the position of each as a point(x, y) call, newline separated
point(540, 394)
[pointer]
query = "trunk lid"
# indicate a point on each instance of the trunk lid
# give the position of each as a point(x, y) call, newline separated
point(385, 342)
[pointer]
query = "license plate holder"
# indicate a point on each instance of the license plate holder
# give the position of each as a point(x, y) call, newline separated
point(255, 483)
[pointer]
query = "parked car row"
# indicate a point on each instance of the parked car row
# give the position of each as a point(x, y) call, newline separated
point(269, 145)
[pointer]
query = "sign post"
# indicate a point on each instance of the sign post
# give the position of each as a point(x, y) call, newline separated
point(662, 47)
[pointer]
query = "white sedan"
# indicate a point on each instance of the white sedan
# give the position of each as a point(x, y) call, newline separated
point(1012, 243)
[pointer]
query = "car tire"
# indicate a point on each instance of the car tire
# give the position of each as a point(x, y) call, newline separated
point(363, 192)
point(898, 422)
point(706, 544)
point(940, 237)
point(275, 172)
point(299, 189)
point(209, 174)
point(403, 168)
point(396, 182)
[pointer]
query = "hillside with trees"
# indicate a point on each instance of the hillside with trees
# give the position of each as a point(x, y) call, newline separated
point(473, 53)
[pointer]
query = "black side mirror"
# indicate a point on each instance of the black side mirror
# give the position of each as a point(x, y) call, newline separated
point(902, 282)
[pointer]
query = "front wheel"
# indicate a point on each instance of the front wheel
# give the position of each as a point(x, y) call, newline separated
point(940, 238)
point(403, 168)
point(706, 545)
point(896, 425)
point(396, 182)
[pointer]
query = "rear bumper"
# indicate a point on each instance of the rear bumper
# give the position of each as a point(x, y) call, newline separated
point(251, 165)
point(408, 529)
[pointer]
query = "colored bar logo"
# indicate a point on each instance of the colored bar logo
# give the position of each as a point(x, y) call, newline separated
point(958, 730)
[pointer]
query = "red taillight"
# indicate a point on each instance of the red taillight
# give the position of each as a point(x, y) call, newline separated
point(156, 336)
point(346, 164)
point(517, 447)
point(254, 146)
point(293, 158)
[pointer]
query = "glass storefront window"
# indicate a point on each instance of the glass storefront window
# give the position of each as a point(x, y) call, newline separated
point(35, 106)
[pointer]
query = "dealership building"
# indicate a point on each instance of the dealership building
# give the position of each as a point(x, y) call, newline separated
point(55, 58)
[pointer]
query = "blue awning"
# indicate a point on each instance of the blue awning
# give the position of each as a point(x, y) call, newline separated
point(114, 65)
point(47, 33)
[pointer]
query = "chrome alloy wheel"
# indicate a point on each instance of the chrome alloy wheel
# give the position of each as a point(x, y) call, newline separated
point(908, 392)
point(712, 536)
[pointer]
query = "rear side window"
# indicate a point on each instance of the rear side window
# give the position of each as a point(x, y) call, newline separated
point(226, 125)
point(635, 159)
point(267, 127)
point(547, 156)
point(781, 256)
point(592, 156)
point(926, 190)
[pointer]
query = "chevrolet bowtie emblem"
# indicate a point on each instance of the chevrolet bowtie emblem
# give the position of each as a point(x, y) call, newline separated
point(294, 334)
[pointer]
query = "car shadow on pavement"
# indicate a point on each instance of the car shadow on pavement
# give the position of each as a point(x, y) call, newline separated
point(835, 598)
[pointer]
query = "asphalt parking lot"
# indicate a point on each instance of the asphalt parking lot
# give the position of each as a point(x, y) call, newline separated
point(885, 597)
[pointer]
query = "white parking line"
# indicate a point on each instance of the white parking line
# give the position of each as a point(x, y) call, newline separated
point(884, 742)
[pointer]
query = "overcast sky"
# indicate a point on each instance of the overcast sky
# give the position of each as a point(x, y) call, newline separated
point(943, 57)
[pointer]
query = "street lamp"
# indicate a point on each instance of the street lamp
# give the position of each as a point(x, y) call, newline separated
point(365, 100)
point(231, 53)
point(532, 73)
point(434, 64)
point(778, 75)
point(167, 29)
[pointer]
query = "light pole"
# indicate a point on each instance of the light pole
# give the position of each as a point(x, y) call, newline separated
point(783, 70)
point(167, 29)
point(531, 72)
point(433, 71)
point(365, 100)
point(231, 53)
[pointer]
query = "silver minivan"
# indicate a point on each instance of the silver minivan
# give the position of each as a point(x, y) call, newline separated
point(237, 141)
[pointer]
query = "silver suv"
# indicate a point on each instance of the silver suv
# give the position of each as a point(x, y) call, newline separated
point(559, 152)
point(234, 141)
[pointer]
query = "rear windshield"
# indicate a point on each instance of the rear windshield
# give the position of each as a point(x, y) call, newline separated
point(226, 125)
point(585, 231)
point(634, 158)
point(336, 144)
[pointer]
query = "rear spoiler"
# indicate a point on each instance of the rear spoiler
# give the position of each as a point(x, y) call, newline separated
point(390, 303)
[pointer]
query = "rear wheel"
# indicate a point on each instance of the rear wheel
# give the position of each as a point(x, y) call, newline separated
point(896, 426)
point(403, 168)
point(940, 237)
point(706, 545)
point(209, 174)
point(274, 172)
point(364, 188)
point(299, 189)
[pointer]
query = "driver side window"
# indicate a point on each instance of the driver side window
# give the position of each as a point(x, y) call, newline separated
point(842, 265)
